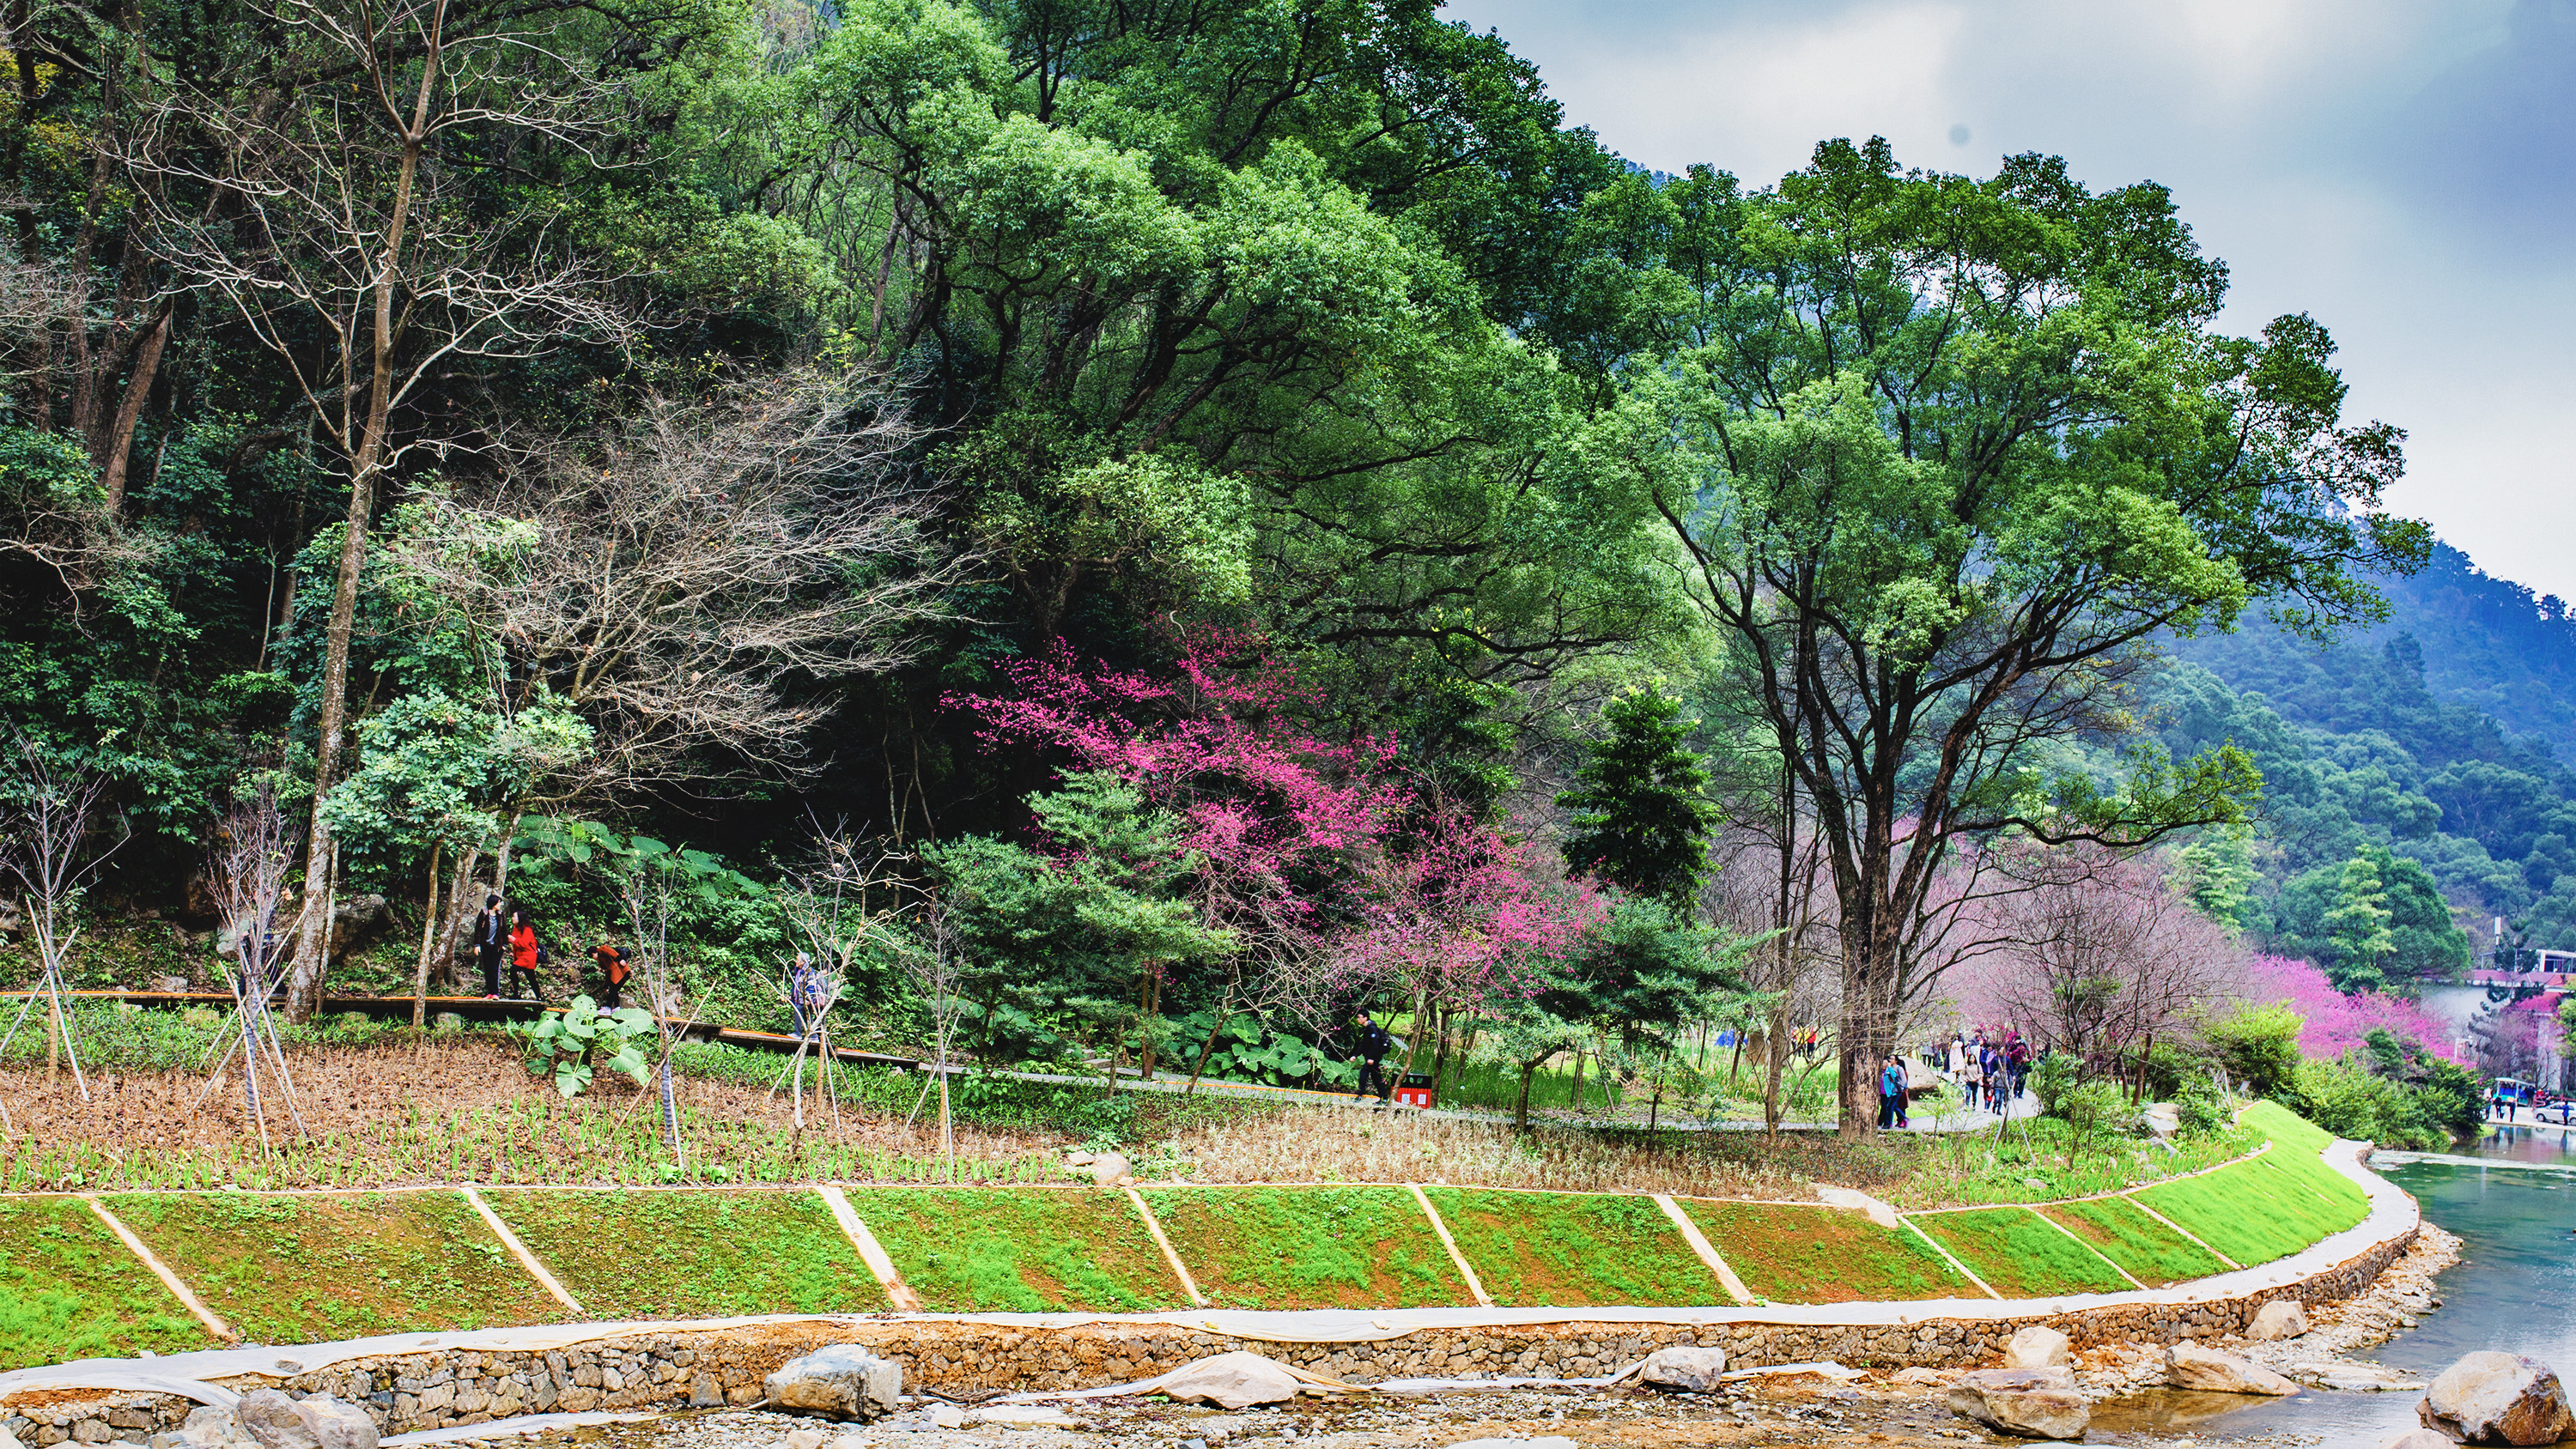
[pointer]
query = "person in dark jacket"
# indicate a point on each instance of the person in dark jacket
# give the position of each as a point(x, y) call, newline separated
point(1374, 1043)
point(1891, 1081)
point(490, 940)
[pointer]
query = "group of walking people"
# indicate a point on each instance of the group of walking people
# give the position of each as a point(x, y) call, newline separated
point(1990, 1073)
point(506, 943)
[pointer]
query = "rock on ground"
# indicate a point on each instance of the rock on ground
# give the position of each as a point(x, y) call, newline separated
point(1552, 1441)
point(1687, 1370)
point(2417, 1439)
point(842, 1381)
point(1234, 1380)
point(1112, 1168)
point(2040, 1403)
point(208, 1426)
point(2497, 1398)
point(2037, 1346)
point(316, 1421)
point(2280, 1318)
point(2190, 1366)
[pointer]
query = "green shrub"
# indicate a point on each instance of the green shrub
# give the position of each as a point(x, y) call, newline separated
point(2259, 1046)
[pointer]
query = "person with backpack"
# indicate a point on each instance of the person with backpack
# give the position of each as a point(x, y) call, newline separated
point(2017, 1061)
point(1373, 1043)
point(614, 968)
point(490, 941)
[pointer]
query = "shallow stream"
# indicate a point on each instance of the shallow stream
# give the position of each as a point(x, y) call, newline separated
point(2512, 1201)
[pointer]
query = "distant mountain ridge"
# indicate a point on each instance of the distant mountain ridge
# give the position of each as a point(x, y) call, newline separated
point(2445, 736)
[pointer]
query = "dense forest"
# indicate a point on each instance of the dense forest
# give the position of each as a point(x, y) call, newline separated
point(1147, 527)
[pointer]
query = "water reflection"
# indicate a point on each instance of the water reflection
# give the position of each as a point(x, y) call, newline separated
point(2514, 1289)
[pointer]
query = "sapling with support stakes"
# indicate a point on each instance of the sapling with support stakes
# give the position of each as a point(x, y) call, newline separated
point(46, 851)
point(843, 903)
point(253, 853)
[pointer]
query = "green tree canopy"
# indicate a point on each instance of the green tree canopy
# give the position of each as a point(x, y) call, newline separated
point(1641, 812)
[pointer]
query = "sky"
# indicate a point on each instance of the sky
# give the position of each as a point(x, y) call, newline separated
point(2403, 170)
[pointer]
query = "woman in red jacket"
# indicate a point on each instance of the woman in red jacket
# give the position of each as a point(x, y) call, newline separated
point(525, 954)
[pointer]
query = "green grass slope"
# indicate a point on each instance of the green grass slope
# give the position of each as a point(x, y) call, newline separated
point(285, 1268)
point(2253, 1212)
point(1574, 1250)
point(69, 1289)
point(2019, 1255)
point(1020, 1250)
point(1788, 1253)
point(1309, 1247)
point(2121, 1231)
point(647, 1254)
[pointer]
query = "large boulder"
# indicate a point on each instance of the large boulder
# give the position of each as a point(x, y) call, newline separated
point(2280, 1318)
point(2035, 1347)
point(1236, 1380)
point(1684, 1370)
point(2497, 1398)
point(316, 1421)
point(2037, 1403)
point(843, 1381)
point(2190, 1366)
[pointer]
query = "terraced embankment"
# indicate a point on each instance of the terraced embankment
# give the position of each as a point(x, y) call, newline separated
point(1444, 1279)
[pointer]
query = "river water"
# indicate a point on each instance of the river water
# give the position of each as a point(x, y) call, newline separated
point(2512, 1201)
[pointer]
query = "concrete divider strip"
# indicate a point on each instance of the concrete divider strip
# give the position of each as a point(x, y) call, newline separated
point(1474, 1285)
point(871, 1252)
point(1707, 1250)
point(2075, 1238)
point(2179, 1228)
point(1950, 1258)
point(1180, 1269)
point(161, 1270)
point(519, 1250)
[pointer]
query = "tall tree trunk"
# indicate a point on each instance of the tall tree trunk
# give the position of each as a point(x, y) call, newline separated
point(429, 934)
point(119, 449)
point(366, 460)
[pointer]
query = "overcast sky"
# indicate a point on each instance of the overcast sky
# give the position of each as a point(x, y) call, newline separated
point(2405, 170)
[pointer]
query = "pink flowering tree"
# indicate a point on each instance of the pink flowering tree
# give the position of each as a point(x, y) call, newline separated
point(2336, 1023)
point(1312, 854)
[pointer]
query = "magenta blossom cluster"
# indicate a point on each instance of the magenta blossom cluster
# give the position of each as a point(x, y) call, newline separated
point(2336, 1022)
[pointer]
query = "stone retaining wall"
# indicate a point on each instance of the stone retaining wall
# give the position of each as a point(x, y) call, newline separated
point(680, 1368)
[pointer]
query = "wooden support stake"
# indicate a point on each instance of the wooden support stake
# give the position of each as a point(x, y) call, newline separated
point(1474, 1285)
point(871, 1252)
point(1707, 1251)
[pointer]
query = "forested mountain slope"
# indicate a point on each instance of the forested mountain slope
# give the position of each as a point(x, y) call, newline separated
point(2438, 737)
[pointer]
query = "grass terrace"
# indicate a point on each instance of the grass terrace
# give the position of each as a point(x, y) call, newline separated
point(1573, 1250)
point(69, 1289)
point(1328, 1247)
point(657, 1254)
point(1021, 1251)
point(1793, 1253)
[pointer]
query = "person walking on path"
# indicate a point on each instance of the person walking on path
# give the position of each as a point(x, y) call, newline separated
point(1374, 1043)
point(527, 953)
point(1974, 1073)
point(491, 939)
point(614, 968)
point(2017, 1060)
point(1888, 1080)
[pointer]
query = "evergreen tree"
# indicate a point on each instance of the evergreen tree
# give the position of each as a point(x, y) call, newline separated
point(1642, 816)
point(2358, 926)
point(2216, 874)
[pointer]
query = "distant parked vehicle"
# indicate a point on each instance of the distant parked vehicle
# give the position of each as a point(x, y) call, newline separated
point(2561, 1113)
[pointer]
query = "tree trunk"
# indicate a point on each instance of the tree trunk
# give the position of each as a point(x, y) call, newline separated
point(119, 448)
point(1224, 1014)
point(1520, 1113)
point(428, 942)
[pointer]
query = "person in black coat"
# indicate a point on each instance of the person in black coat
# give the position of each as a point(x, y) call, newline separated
point(1374, 1043)
point(491, 941)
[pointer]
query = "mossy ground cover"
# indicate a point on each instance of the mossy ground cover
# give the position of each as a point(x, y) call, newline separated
point(2019, 1255)
point(69, 1289)
point(1574, 1250)
point(1786, 1253)
point(696, 1254)
point(1309, 1247)
point(2154, 1254)
point(310, 1268)
point(1024, 1250)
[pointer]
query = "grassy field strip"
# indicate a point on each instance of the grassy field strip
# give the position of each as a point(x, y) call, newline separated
point(2179, 1228)
point(1707, 1254)
point(2088, 1247)
point(519, 1250)
point(871, 1252)
point(1573, 1250)
point(1466, 1269)
point(1032, 1250)
point(1356, 1248)
point(712, 1254)
point(161, 1270)
point(1948, 1257)
point(1180, 1269)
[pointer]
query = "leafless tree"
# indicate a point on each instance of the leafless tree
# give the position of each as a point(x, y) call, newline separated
point(2100, 958)
point(253, 854)
point(669, 580)
point(312, 194)
point(46, 847)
